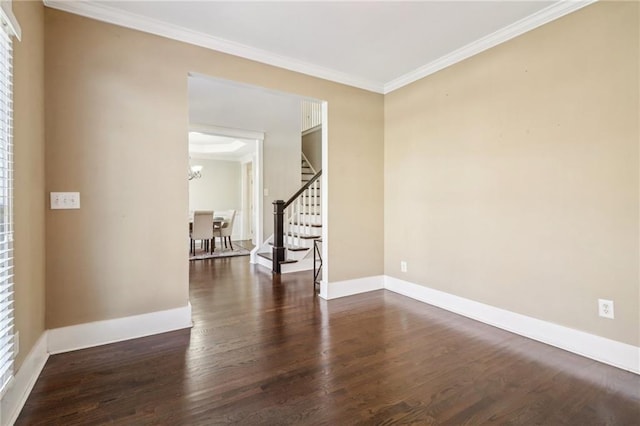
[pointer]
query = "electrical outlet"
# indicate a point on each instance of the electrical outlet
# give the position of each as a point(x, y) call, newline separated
point(403, 266)
point(605, 308)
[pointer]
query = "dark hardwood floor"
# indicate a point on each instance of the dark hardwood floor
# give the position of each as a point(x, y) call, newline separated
point(272, 353)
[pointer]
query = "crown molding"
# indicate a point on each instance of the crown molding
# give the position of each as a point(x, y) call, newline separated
point(125, 19)
point(226, 131)
point(121, 18)
point(219, 157)
point(544, 16)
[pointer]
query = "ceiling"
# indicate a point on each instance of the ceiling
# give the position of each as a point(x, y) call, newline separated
point(231, 111)
point(209, 146)
point(377, 46)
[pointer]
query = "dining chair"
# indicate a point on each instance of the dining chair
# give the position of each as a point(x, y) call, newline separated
point(225, 231)
point(202, 230)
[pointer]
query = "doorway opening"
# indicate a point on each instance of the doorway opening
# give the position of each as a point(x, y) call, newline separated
point(273, 120)
point(228, 164)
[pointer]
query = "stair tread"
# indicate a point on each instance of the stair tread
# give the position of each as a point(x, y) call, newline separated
point(269, 256)
point(304, 237)
point(294, 248)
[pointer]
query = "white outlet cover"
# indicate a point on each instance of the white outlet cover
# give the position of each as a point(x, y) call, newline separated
point(605, 308)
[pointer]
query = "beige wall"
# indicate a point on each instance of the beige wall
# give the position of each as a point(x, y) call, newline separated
point(511, 178)
point(312, 148)
point(113, 96)
point(29, 195)
point(219, 188)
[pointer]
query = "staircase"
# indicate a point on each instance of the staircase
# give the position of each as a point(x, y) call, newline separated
point(302, 225)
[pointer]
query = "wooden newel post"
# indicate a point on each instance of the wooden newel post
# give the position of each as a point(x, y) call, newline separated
point(278, 235)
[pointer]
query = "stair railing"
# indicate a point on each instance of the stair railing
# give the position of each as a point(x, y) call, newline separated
point(292, 219)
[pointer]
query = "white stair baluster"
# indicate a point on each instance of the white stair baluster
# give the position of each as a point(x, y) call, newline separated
point(310, 209)
point(315, 207)
point(298, 227)
point(300, 213)
point(313, 202)
point(296, 213)
point(306, 211)
point(287, 211)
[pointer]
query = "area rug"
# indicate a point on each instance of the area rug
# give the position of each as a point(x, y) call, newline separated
point(238, 250)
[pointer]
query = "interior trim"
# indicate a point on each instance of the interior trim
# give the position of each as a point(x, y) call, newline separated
point(114, 16)
point(601, 349)
point(87, 335)
point(226, 131)
point(607, 351)
point(23, 382)
point(336, 289)
point(544, 16)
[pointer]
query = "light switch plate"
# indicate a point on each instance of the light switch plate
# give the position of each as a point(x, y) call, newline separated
point(65, 200)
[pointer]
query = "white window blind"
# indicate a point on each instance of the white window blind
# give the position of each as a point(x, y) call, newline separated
point(7, 341)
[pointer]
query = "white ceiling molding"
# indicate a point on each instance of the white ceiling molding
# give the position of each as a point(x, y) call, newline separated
point(248, 136)
point(220, 157)
point(119, 17)
point(546, 15)
point(226, 131)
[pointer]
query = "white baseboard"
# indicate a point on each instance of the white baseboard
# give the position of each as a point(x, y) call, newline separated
point(253, 256)
point(263, 262)
point(617, 354)
point(97, 333)
point(15, 397)
point(336, 289)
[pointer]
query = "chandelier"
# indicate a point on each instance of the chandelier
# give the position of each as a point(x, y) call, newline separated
point(195, 172)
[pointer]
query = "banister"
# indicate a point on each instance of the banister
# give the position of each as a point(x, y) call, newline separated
point(301, 190)
point(278, 250)
point(279, 206)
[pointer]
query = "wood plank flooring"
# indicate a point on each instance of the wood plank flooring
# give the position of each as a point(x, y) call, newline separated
point(272, 353)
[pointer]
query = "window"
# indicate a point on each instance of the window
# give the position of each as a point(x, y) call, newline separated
point(7, 342)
